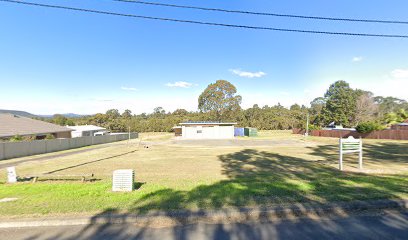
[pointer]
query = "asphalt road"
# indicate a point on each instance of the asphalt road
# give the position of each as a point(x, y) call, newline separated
point(391, 225)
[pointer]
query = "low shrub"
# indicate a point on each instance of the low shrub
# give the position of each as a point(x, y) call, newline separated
point(16, 138)
point(366, 127)
point(29, 138)
point(49, 137)
point(314, 127)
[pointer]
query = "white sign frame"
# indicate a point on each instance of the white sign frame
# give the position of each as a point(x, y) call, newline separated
point(350, 145)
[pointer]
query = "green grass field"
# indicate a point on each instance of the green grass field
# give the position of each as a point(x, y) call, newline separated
point(291, 169)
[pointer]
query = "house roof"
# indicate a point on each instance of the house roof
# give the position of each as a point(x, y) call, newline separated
point(86, 128)
point(199, 123)
point(11, 125)
point(404, 123)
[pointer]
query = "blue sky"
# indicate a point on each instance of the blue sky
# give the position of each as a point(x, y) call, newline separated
point(58, 61)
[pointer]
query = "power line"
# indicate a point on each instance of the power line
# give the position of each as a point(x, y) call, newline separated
point(206, 23)
point(265, 13)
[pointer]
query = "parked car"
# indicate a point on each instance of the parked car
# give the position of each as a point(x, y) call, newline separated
point(101, 133)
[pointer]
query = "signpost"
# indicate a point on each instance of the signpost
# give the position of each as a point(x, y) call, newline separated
point(11, 175)
point(128, 136)
point(351, 145)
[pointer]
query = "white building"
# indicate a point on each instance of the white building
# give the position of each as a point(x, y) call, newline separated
point(86, 130)
point(206, 130)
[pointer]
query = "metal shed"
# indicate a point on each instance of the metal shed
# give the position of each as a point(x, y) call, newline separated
point(207, 130)
point(239, 132)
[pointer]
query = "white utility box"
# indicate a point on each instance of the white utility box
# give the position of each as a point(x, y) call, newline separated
point(11, 175)
point(123, 180)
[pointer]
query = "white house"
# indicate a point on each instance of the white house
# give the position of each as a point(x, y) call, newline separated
point(207, 130)
point(86, 130)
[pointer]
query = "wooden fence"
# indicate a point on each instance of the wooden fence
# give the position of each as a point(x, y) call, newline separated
point(399, 127)
point(383, 134)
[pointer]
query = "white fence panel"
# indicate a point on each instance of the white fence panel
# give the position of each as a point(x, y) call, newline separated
point(37, 147)
point(87, 141)
point(16, 149)
point(98, 139)
point(53, 145)
point(2, 151)
point(21, 149)
point(64, 144)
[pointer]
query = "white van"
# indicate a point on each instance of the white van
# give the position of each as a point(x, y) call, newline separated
point(101, 133)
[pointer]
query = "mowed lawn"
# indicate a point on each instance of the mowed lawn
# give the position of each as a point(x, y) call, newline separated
point(274, 168)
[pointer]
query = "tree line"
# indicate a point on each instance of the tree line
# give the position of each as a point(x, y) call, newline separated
point(340, 105)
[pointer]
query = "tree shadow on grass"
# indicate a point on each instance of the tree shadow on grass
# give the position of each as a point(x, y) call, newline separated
point(260, 178)
point(89, 162)
point(376, 153)
point(255, 178)
point(388, 152)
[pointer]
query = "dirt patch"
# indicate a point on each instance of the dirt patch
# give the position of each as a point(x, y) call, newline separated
point(236, 142)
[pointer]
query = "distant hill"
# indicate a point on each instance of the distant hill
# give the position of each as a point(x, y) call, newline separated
point(72, 115)
point(30, 115)
point(20, 113)
point(68, 115)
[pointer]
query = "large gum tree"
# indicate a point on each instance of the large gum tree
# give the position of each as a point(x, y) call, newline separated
point(219, 99)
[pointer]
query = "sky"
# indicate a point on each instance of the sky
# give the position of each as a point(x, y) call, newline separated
point(60, 61)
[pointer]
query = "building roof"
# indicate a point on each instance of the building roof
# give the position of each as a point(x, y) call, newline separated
point(207, 123)
point(11, 125)
point(83, 128)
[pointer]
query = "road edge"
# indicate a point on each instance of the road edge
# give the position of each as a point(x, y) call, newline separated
point(340, 209)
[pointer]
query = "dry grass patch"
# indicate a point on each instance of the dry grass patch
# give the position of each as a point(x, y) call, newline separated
point(174, 176)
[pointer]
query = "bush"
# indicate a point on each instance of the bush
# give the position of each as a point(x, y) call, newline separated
point(49, 137)
point(366, 127)
point(314, 127)
point(16, 138)
point(29, 138)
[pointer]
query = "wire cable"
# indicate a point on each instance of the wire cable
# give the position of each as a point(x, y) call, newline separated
point(206, 23)
point(265, 13)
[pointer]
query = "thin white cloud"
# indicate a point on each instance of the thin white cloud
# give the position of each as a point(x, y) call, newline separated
point(180, 84)
point(247, 74)
point(129, 88)
point(400, 73)
point(101, 100)
point(284, 93)
point(357, 59)
point(394, 83)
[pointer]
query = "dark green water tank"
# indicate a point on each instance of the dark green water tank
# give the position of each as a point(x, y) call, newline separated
point(250, 132)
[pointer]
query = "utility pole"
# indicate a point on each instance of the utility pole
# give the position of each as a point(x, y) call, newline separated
point(129, 135)
point(307, 124)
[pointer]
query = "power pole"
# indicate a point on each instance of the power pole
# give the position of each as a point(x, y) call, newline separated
point(128, 135)
point(307, 125)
